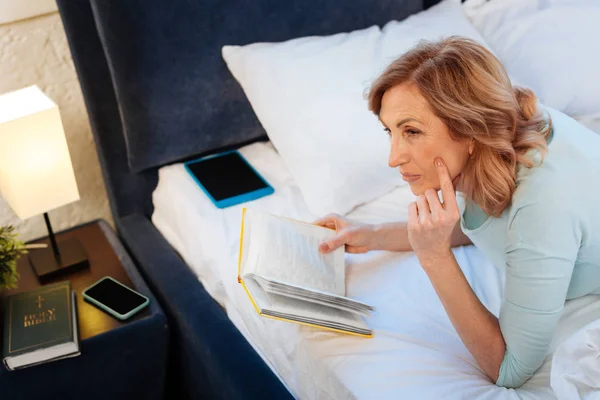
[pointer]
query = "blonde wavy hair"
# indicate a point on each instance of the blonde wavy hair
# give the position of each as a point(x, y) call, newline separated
point(467, 87)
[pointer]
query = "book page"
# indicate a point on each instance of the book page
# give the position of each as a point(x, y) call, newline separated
point(285, 307)
point(311, 295)
point(288, 251)
point(299, 310)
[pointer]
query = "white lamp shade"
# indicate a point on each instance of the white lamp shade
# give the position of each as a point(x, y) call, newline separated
point(36, 174)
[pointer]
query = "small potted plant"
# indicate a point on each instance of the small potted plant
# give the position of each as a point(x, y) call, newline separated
point(10, 251)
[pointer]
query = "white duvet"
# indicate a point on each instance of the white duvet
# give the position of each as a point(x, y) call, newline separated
point(415, 353)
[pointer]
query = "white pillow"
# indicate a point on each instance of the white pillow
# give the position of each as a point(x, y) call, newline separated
point(308, 94)
point(552, 46)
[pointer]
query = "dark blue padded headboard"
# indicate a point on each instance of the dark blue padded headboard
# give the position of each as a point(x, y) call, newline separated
point(156, 88)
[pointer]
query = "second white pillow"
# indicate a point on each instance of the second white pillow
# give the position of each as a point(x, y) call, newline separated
point(551, 46)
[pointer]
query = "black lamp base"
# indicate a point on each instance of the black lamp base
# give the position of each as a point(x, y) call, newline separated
point(47, 266)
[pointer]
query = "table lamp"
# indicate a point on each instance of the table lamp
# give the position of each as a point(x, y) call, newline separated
point(36, 174)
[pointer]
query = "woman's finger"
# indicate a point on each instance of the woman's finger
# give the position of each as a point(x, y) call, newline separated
point(338, 240)
point(413, 216)
point(328, 221)
point(423, 208)
point(356, 250)
point(448, 193)
point(434, 202)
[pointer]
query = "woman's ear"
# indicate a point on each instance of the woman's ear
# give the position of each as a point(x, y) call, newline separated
point(471, 146)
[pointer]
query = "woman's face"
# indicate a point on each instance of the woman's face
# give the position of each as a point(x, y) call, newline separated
point(418, 137)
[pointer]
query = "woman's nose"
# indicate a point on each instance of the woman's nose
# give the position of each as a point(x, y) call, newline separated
point(398, 155)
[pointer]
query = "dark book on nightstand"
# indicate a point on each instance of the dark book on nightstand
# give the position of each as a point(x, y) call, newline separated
point(40, 326)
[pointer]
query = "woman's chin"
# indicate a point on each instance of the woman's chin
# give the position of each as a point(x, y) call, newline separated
point(418, 189)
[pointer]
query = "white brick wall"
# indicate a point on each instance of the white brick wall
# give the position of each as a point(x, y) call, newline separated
point(35, 51)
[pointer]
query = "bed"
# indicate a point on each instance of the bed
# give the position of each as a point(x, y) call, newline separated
point(415, 353)
point(158, 92)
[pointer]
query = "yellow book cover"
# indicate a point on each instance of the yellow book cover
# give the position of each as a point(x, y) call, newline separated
point(287, 279)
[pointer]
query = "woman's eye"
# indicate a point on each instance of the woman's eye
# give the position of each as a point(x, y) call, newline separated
point(412, 132)
point(386, 130)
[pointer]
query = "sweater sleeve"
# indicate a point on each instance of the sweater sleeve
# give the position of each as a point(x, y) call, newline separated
point(542, 245)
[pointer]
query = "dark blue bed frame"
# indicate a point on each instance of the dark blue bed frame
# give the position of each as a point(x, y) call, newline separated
point(157, 92)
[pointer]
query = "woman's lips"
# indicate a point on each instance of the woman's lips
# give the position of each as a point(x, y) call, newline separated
point(410, 177)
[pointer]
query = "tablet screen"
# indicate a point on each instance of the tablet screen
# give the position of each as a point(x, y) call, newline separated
point(226, 176)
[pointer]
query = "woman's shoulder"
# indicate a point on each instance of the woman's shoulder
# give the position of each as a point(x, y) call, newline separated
point(555, 194)
point(543, 194)
point(548, 190)
point(542, 211)
point(545, 185)
point(570, 164)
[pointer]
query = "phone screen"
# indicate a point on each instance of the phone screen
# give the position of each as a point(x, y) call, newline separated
point(115, 296)
point(226, 176)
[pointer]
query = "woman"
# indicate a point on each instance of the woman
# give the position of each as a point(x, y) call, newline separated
point(529, 176)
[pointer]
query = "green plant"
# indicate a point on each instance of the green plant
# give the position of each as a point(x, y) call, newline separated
point(10, 251)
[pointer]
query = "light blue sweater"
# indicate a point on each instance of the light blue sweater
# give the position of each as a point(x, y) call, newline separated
point(548, 242)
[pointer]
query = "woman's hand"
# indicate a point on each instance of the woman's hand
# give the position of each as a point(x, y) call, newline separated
point(356, 236)
point(430, 223)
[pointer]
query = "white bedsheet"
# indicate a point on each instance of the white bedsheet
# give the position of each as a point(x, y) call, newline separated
point(576, 365)
point(415, 352)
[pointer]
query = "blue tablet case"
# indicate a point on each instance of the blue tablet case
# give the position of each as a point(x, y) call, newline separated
point(231, 201)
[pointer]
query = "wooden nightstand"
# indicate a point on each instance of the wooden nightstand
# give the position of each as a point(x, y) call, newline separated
point(121, 359)
point(103, 261)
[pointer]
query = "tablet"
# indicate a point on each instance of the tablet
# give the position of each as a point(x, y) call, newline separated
point(228, 179)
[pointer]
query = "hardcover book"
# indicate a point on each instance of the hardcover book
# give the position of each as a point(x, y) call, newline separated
point(40, 326)
point(287, 278)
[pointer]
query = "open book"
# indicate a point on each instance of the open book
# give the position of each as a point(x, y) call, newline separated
point(286, 277)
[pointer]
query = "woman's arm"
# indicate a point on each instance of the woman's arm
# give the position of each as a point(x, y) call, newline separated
point(431, 227)
point(478, 328)
point(393, 236)
point(360, 238)
point(542, 244)
point(538, 273)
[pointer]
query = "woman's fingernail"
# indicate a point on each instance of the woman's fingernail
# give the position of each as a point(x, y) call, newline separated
point(439, 162)
point(324, 247)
